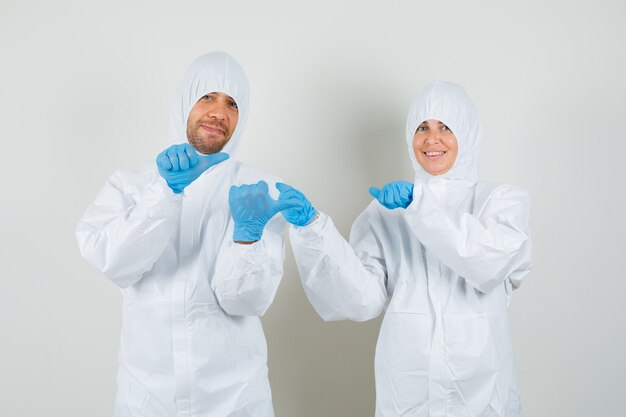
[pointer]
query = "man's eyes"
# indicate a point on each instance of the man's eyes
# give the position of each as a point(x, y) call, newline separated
point(231, 103)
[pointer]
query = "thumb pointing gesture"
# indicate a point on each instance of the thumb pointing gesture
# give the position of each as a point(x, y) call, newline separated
point(180, 165)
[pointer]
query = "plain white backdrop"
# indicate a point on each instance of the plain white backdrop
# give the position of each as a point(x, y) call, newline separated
point(85, 89)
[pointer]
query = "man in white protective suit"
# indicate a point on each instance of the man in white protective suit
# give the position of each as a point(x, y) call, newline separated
point(441, 256)
point(194, 279)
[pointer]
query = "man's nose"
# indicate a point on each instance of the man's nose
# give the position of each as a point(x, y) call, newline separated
point(217, 111)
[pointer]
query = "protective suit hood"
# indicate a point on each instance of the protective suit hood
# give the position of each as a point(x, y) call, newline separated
point(211, 72)
point(450, 104)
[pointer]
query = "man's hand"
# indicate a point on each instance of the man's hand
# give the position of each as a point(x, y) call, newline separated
point(393, 195)
point(180, 165)
point(252, 207)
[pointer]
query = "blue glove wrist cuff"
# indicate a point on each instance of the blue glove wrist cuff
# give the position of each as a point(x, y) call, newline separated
point(245, 233)
point(308, 214)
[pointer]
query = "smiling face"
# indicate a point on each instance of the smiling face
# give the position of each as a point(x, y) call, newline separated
point(435, 147)
point(211, 122)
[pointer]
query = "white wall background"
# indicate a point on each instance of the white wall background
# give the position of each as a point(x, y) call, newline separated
point(85, 88)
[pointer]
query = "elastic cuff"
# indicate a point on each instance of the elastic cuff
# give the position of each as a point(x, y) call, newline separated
point(314, 227)
point(253, 249)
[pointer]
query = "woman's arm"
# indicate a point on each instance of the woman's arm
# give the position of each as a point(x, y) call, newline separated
point(484, 250)
point(340, 281)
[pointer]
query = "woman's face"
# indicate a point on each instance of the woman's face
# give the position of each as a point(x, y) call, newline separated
point(435, 147)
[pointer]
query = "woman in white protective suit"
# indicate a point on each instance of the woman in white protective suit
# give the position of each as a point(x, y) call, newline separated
point(441, 256)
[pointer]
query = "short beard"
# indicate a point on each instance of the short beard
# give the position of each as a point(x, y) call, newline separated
point(205, 147)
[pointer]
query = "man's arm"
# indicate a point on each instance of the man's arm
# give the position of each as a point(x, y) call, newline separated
point(247, 275)
point(127, 227)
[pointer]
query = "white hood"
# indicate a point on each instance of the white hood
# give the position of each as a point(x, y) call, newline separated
point(450, 104)
point(212, 72)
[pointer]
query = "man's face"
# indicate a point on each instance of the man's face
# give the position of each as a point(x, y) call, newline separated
point(211, 122)
point(435, 147)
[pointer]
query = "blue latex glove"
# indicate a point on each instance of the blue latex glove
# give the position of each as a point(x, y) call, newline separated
point(303, 212)
point(180, 165)
point(393, 195)
point(252, 207)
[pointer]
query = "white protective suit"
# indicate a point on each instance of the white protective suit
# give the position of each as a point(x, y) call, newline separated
point(192, 342)
point(443, 269)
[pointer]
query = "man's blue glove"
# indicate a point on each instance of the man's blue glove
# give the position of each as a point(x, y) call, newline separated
point(303, 212)
point(180, 165)
point(393, 195)
point(252, 207)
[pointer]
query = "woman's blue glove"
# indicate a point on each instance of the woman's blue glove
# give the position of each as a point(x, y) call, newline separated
point(393, 195)
point(252, 207)
point(303, 212)
point(180, 165)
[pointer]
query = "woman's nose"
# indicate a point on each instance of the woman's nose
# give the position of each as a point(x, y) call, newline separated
point(432, 137)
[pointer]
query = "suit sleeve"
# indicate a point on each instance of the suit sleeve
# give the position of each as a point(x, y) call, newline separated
point(485, 250)
point(247, 276)
point(127, 227)
point(341, 280)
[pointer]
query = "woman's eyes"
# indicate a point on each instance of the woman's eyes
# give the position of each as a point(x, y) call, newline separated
point(443, 128)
